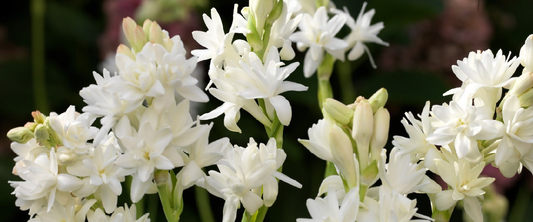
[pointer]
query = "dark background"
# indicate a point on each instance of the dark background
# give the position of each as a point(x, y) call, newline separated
point(426, 37)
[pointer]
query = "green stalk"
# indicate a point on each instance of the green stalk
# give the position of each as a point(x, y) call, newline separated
point(348, 93)
point(165, 194)
point(153, 206)
point(203, 204)
point(324, 72)
point(38, 8)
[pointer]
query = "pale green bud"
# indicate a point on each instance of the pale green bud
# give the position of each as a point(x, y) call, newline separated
point(147, 25)
point(123, 49)
point(161, 177)
point(362, 130)
point(20, 134)
point(139, 39)
point(41, 133)
point(259, 10)
point(338, 111)
point(156, 33)
point(522, 84)
point(381, 132)
point(128, 27)
point(343, 156)
point(31, 125)
point(379, 99)
point(526, 99)
point(253, 38)
point(38, 117)
point(275, 13)
point(370, 174)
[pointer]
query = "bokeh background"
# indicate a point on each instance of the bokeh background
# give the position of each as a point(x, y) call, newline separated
point(426, 37)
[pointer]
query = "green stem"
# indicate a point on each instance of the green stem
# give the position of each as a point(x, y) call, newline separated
point(324, 72)
point(348, 93)
point(165, 194)
point(38, 8)
point(330, 169)
point(203, 204)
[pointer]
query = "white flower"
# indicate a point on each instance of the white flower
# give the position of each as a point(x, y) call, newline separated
point(464, 126)
point(319, 140)
point(281, 29)
point(42, 183)
point(526, 54)
point(418, 130)
point(27, 151)
point(101, 102)
point(389, 206)
point(266, 81)
point(318, 33)
point(122, 214)
point(241, 179)
point(361, 33)
point(70, 212)
point(465, 184)
point(400, 174)
point(328, 208)
point(105, 176)
point(201, 154)
point(518, 137)
point(73, 128)
point(484, 70)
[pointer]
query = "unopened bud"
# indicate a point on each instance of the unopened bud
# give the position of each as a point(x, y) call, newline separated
point(38, 117)
point(123, 49)
point(381, 132)
point(253, 37)
point(370, 174)
point(379, 99)
point(343, 156)
point(128, 26)
point(147, 25)
point(259, 10)
point(41, 133)
point(526, 99)
point(139, 39)
point(338, 111)
point(156, 34)
point(522, 84)
point(31, 125)
point(276, 12)
point(363, 127)
point(161, 177)
point(526, 54)
point(20, 134)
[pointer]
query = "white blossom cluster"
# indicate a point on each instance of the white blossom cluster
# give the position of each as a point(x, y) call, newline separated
point(73, 171)
point(480, 125)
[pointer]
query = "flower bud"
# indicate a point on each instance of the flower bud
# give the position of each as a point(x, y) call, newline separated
point(20, 134)
point(522, 84)
point(343, 156)
point(253, 37)
point(128, 26)
point(38, 117)
point(363, 127)
point(338, 111)
point(41, 133)
point(139, 39)
point(378, 99)
point(156, 33)
point(276, 12)
point(259, 10)
point(526, 54)
point(123, 49)
point(370, 174)
point(31, 125)
point(526, 99)
point(381, 132)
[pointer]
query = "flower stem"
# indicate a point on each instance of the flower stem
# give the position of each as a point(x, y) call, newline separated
point(203, 204)
point(348, 93)
point(164, 189)
point(38, 8)
point(324, 72)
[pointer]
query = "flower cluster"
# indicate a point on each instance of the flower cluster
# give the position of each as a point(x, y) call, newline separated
point(72, 171)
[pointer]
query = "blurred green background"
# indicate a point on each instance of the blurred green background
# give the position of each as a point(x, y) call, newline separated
point(426, 37)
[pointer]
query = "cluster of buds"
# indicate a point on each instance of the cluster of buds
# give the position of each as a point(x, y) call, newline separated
point(40, 129)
